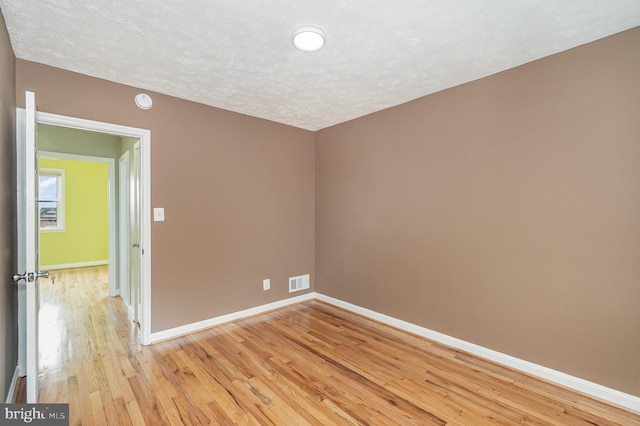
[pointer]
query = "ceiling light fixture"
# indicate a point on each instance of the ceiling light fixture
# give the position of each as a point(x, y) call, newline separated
point(308, 39)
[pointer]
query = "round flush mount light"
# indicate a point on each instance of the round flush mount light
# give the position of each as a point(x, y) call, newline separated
point(144, 101)
point(308, 39)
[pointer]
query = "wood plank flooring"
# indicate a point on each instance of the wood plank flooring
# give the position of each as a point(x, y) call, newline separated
point(307, 364)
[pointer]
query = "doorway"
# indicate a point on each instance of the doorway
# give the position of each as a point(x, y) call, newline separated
point(141, 139)
point(144, 138)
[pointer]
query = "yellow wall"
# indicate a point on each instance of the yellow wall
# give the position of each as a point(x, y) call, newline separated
point(86, 215)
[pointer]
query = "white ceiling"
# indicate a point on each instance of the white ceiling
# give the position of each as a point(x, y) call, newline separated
point(238, 55)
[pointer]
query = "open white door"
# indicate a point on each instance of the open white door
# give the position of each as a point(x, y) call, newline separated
point(29, 209)
point(134, 234)
point(124, 245)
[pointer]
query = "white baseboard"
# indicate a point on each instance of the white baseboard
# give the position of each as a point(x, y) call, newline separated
point(589, 388)
point(611, 395)
point(131, 314)
point(75, 265)
point(201, 325)
point(14, 384)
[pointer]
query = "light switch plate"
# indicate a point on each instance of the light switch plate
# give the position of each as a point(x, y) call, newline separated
point(158, 214)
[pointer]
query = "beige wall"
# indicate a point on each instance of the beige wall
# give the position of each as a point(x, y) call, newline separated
point(237, 192)
point(8, 291)
point(505, 212)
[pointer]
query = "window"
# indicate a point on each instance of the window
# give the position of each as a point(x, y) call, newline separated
point(51, 200)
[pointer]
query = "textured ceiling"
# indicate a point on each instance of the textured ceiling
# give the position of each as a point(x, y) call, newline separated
point(238, 55)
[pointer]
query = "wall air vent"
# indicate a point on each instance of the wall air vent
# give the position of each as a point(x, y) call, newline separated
point(298, 283)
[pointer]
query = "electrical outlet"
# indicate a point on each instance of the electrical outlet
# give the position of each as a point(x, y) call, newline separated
point(266, 284)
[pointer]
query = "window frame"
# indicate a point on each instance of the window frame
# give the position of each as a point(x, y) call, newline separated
point(60, 202)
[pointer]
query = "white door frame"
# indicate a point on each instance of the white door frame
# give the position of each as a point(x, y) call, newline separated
point(144, 135)
point(21, 219)
point(113, 247)
point(135, 253)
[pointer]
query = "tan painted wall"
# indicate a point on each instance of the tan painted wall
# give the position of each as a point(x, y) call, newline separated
point(8, 291)
point(505, 212)
point(237, 192)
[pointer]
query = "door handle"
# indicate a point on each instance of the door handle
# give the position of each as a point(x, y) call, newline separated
point(18, 277)
point(29, 276)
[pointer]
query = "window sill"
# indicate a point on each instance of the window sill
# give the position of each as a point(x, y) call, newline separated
point(47, 230)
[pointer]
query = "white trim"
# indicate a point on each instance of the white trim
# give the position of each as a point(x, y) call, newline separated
point(204, 324)
point(14, 384)
point(75, 265)
point(131, 314)
point(135, 233)
point(614, 396)
point(145, 229)
point(21, 229)
point(586, 387)
point(144, 136)
point(111, 170)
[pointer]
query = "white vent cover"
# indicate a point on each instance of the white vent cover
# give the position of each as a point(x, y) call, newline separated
point(298, 283)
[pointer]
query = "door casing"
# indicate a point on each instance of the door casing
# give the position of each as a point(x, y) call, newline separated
point(144, 135)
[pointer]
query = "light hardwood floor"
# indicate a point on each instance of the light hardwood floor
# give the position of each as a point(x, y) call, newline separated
point(309, 363)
